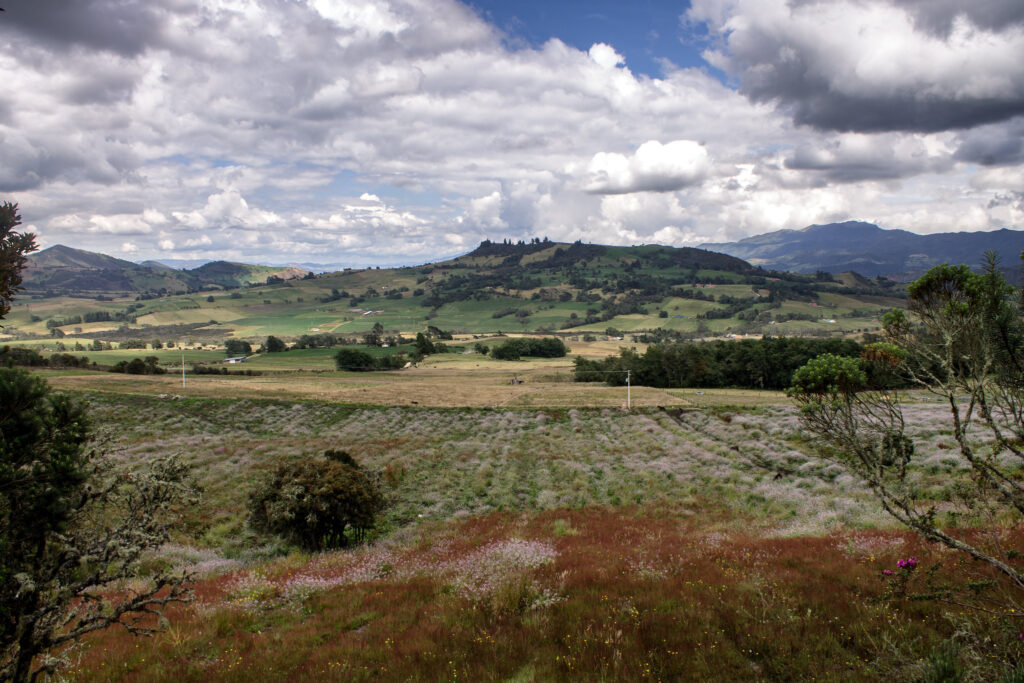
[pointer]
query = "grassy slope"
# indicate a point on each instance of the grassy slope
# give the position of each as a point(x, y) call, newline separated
point(296, 308)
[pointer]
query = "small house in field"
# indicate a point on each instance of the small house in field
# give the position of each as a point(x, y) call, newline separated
point(236, 359)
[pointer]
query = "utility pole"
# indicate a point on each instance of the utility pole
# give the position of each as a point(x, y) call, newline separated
point(182, 366)
point(629, 403)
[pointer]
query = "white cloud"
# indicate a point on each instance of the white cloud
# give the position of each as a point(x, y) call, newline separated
point(486, 211)
point(654, 167)
point(201, 241)
point(379, 129)
point(672, 236)
point(606, 56)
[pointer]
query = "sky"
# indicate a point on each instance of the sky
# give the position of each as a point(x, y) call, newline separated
point(390, 132)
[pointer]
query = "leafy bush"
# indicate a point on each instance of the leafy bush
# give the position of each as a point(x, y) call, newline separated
point(318, 503)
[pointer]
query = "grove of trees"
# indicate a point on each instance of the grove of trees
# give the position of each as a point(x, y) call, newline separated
point(514, 349)
point(237, 347)
point(766, 363)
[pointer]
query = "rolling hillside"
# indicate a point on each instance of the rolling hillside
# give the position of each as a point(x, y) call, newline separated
point(75, 272)
point(870, 250)
point(539, 287)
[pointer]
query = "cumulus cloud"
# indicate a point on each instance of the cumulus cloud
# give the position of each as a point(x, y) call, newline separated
point(652, 168)
point(486, 211)
point(605, 55)
point(874, 65)
point(377, 131)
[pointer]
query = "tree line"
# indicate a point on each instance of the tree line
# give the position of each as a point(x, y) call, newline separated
point(766, 363)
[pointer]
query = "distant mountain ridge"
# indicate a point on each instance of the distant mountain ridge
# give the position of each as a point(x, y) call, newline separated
point(63, 269)
point(870, 250)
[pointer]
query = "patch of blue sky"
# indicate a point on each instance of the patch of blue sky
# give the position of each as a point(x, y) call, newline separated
point(644, 32)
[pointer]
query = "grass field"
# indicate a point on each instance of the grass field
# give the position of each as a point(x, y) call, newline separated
point(534, 532)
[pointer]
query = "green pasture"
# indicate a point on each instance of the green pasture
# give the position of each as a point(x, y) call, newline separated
point(296, 307)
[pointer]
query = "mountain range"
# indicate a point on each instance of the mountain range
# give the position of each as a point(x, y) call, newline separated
point(854, 246)
point(870, 250)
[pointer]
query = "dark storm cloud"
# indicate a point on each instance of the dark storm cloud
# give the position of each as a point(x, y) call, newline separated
point(125, 27)
point(815, 103)
point(874, 66)
point(938, 16)
point(101, 88)
point(994, 145)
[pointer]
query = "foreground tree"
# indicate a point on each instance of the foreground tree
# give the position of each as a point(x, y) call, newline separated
point(14, 247)
point(71, 531)
point(963, 341)
point(318, 503)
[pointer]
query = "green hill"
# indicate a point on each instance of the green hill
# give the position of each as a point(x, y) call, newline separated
point(75, 272)
point(535, 287)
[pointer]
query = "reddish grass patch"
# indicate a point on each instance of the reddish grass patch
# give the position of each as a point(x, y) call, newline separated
point(637, 596)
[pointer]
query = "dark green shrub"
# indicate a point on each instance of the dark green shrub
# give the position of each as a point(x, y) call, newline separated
point(354, 360)
point(318, 503)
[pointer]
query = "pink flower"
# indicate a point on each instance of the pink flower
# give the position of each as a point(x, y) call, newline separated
point(887, 572)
